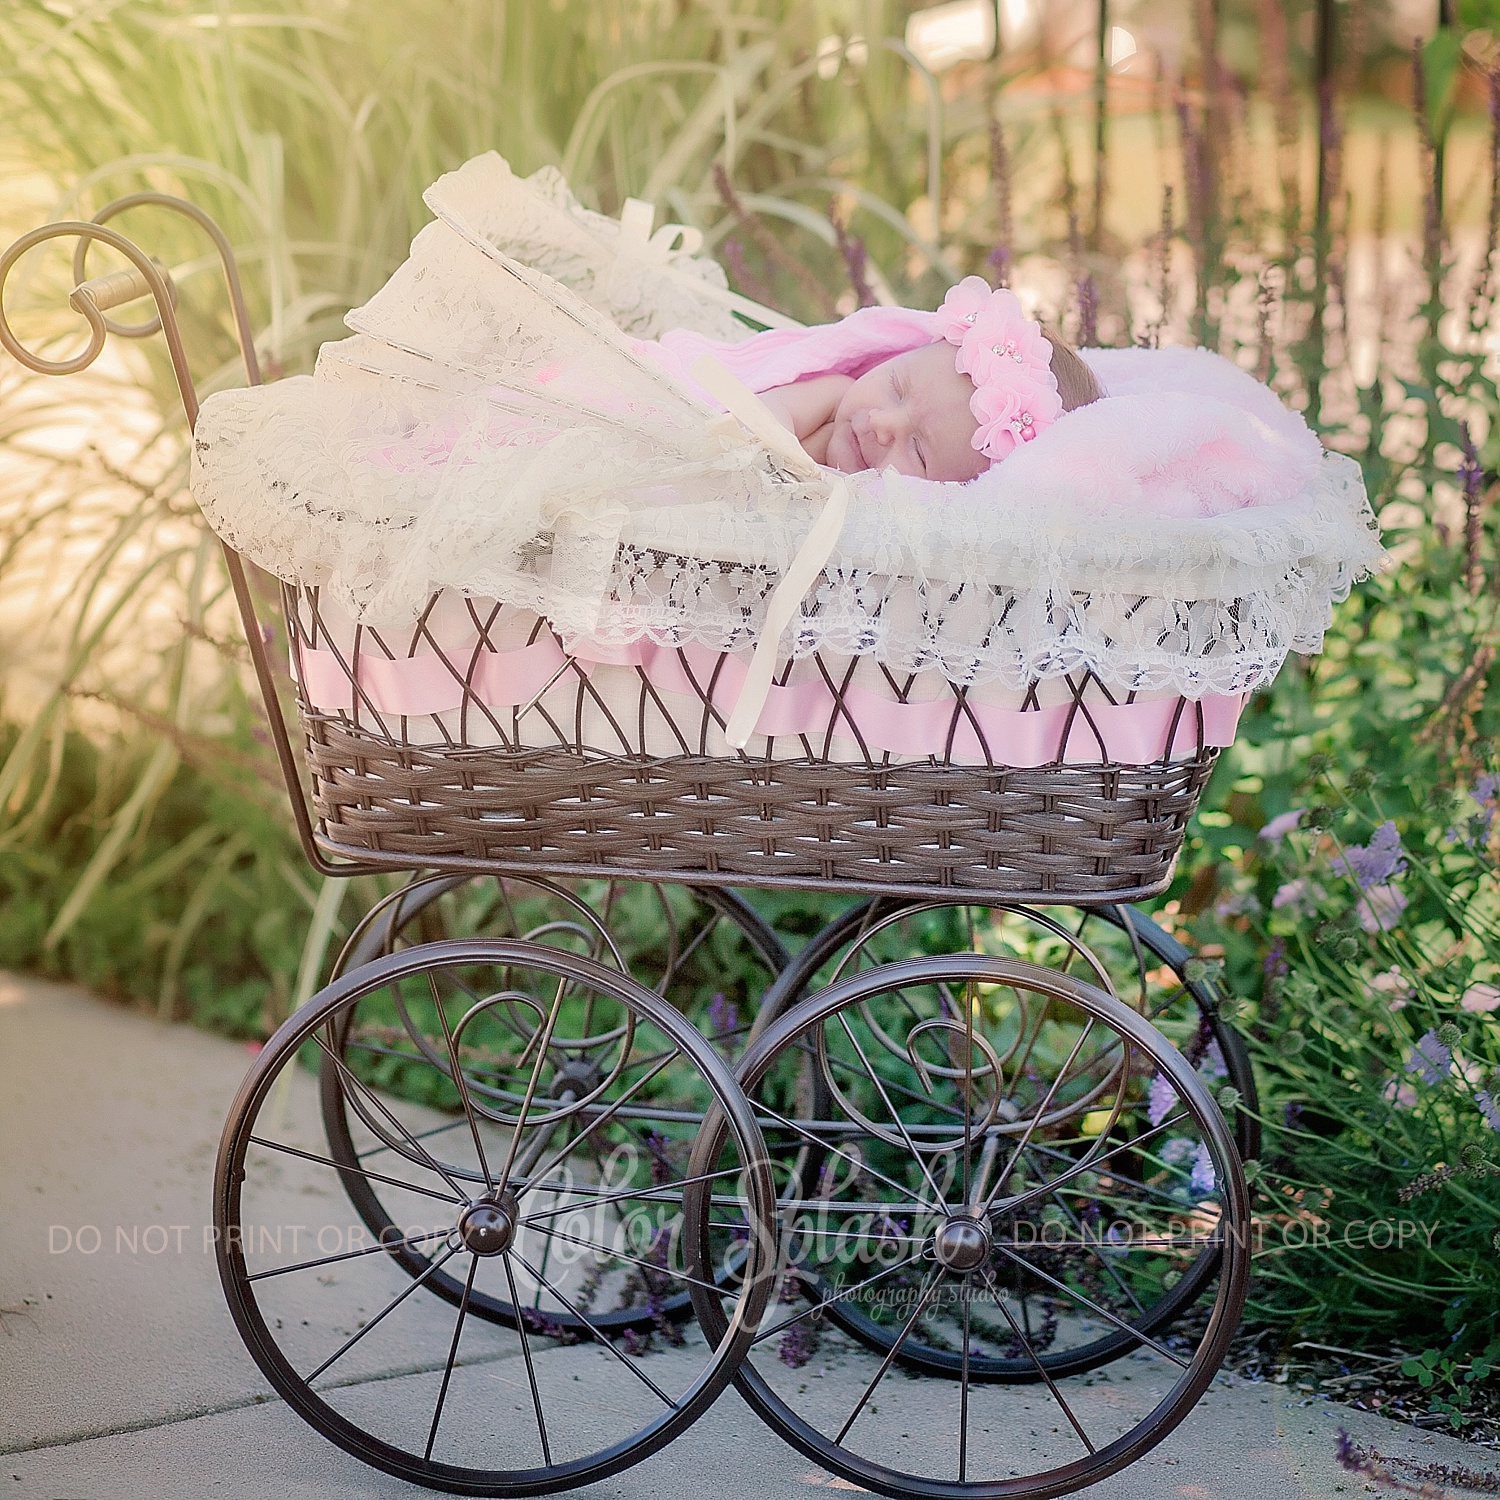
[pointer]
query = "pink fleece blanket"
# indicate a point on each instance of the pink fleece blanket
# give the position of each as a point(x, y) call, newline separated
point(1181, 432)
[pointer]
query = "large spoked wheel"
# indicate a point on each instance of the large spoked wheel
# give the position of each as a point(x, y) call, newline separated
point(1118, 949)
point(1014, 1167)
point(529, 1126)
point(707, 953)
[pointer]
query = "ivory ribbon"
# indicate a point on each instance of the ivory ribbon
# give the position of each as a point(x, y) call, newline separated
point(672, 242)
point(817, 547)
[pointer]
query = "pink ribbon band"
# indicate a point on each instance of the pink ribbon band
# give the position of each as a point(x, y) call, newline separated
point(434, 683)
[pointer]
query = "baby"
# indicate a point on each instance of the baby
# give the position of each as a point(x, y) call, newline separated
point(981, 379)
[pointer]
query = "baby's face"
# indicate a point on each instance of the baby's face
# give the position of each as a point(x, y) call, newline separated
point(911, 413)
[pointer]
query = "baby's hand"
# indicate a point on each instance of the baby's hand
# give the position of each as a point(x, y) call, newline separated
point(807, 408)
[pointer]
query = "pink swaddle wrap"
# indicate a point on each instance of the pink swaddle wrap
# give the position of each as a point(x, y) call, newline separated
point(1180, 432)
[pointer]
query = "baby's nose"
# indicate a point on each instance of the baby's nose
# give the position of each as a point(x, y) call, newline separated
point(886, 424)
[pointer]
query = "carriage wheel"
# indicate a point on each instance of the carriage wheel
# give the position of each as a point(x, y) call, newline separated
point(529, 1127)
point(707, 950)
point(1119, 949)
point(708, 953)
point(1015, 1166)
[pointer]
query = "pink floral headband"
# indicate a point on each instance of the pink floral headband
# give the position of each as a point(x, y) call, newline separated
point(1004, 353)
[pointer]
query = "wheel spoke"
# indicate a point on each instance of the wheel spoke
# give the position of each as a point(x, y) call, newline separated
point(649, 1195)
point(1098, 1252)
point(841, 1295)
point(1036, 1117)
point(458, 1329)
point(926, 1100)
point(1093, 1307)
point(606, 1114)
point(634, 1260)
point(895, 1114)
point(865, 1167)
point(390, 1307)
point(1042, 1369)
point(461, 1082)
point(543, 1042)
point(383, 1248)
point(536, 1395)
point(598, 1333)
point(421, 1135)
point(963, 1397)
point(344, 1166)
point(669, 974)
point(1088, 1163)
point(895, 1349)
point(401, 1129)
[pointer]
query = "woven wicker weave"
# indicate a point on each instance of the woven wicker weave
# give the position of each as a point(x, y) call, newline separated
point(1066, 833)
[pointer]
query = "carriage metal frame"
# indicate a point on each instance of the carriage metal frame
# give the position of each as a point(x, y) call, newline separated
point(914, 838)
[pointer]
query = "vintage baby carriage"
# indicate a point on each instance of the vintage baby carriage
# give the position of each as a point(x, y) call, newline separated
point(974, 1130)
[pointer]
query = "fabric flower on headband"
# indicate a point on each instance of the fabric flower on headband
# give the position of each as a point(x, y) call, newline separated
point(1010, 362)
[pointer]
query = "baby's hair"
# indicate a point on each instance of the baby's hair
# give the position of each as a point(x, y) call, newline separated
point(1075, 381)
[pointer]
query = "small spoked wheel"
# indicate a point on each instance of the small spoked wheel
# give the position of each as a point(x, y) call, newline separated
point(707, 953)
point(529, 1123)
point(1006, 1170)
point(1118, 949)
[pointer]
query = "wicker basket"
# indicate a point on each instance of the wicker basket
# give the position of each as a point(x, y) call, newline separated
point(407, 792)
point(1063, 834)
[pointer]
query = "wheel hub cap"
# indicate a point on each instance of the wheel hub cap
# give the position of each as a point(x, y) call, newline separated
point(962, 1244)
point(489, 1225)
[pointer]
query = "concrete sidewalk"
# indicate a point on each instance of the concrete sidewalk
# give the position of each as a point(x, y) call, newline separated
point(121, 1374)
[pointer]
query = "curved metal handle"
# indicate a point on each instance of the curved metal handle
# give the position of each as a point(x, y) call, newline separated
point(144, 267)
point(148, 277)
point(119, 287)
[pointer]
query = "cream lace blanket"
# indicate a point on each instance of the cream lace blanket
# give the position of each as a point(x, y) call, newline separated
point(494, 428)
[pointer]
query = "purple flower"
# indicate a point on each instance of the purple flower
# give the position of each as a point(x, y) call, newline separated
point(1282, 824)
point(1402, 1095)
point(1374, 863)
point(1178, 1149)
point(1476, 830)
point(1432, 1059)
point(1300, 895)
point(798, 1345)
point(1486, 793)
point(1276, 966)
point(723, 1016)
point(1213, 1062)
point(1380, 907)
point(661, 1168)
point(1470, 471)
point(1488, 1108)
point(1204, 1179)
point(1237, 904)
point(1160, 1100)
